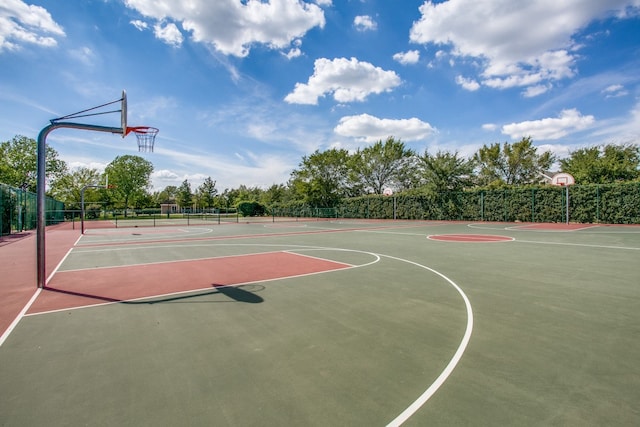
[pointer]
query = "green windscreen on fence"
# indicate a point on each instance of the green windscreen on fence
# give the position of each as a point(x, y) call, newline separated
point(18, 210)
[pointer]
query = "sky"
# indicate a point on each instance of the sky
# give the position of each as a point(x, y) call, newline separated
point(242, 90)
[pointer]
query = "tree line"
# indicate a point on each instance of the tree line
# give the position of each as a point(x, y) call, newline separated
point(323, 178)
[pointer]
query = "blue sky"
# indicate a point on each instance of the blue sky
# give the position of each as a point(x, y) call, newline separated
point(241, 90)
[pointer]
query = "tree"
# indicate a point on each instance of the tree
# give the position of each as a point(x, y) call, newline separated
point(251, 209)
point(603, 164)
point(446, 171)
point(274, 195)
point(168, 195)
point(322, 178)
point(380, 165)
point(130, 176)
point(68, 188)
point(144, 201)
point(248, 193)
point(184, 197)
point(207, 192)
point(517, 163)
point(19, 163)
point(227, 199)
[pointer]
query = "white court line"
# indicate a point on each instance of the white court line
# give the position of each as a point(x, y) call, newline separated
point(375, 256)
point(28, 305)
point(319, 259)
point(108, 237)
point(584, 245)
point(206, 258)
point(602, 229)
point(19, 317)
point(532, 227)
point(439, 381)
point(424, 397)
point(347, 267)
point(390, 232)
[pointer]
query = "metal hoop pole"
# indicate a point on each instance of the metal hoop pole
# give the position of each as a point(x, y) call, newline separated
point(41, 267)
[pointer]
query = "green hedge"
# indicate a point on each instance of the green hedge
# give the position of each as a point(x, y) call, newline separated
point(607, 203)
point(251, 209)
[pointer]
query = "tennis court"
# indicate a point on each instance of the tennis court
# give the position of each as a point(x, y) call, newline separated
point(323, 322)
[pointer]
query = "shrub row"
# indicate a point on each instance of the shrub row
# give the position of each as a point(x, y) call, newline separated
point(608, 203)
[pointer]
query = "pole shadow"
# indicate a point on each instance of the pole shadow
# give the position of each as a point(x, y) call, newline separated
point(239, 294)
point(234, 293)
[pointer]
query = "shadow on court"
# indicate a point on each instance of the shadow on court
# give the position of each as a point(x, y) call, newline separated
point(234, 293)
point(239, 294)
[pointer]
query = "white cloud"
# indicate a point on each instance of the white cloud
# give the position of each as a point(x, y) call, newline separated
point(533, 91)
point(232, 27)
point(468, 84)
point(324, 2)
point(409, 57)
point(489, 126)
point(295, 50)
point(614, 91)
point(165, 175)
point(523, 46)
point(293, 53)
point(347, 79)
point(549, 67)
point(21, 23)
point(623, 129)
point(76, 164)
point(168, 33)
point(550, 128)
point(140, 25)
point(84, 55)
point(364, 23)
point(367, 128)
point(150, 108)
point(236, 170)
point(272, 123)
point(561, 151)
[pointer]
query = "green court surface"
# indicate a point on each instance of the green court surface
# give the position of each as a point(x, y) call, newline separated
point(333, 323)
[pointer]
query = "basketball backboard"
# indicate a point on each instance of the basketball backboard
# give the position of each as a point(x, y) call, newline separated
point(123, 113)
point(562, 179)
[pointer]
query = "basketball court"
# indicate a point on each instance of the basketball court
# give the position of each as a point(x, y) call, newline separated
point(331, 322)
point(322, 322)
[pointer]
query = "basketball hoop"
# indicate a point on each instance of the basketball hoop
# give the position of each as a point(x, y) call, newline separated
point(146, 136)
point(562, 179)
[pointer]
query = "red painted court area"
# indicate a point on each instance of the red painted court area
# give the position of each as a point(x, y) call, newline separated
point(97, 286)
point(484, 238)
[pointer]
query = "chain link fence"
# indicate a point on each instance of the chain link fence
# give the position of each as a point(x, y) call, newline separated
point(605, 203)
point(18, 210)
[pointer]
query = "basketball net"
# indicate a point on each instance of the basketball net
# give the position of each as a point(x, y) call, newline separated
point(146, 137)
